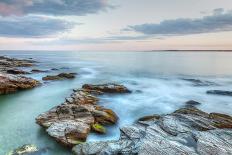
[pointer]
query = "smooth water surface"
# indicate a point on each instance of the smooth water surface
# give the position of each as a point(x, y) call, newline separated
point(156, 79)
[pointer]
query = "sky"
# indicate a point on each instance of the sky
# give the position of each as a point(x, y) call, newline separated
point(115, 25)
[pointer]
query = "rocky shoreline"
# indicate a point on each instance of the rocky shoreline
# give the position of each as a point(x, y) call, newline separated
point(185, 131)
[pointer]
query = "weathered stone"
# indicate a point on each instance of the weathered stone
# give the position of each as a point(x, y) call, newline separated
point(149, 118)
point(186, 131)
point(71, 122)
point(220, 92)
point(60, 76)
point(107, 88)
point(12, 83)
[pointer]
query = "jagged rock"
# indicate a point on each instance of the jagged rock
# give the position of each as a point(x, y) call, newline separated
point(60, 76)
point(107, 88)
point(12, 83)
point(28, 149)
point(71, 122)
point(185, 131)
point(197, 82)
point(220, 92)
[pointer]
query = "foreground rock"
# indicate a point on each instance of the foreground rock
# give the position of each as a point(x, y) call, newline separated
point(186, 131)
point(220, 92)
point(28, 149)
point(71, 122)
point(12, 83)
point(197, 82)
point(60, 76)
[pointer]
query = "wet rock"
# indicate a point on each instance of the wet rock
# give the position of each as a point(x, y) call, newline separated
point(197, 82)
point(12, 83)
point(107, 88)
point(192, 103)
point(6, 62)
point(54, 69)
point(16, 71)
point(185, 131)
point(60, 76)
point(71, 122)
point(220, 92)
point(38, 71)
point(28, 149)
point(98, 128)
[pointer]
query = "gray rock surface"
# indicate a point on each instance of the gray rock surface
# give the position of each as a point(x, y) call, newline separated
point(71, 122)
point(187, 131)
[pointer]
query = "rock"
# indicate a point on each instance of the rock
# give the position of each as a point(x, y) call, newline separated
point(38, 71)
point(12, 83)
point(197, 82)
point(220, 92)
point(16, 71)
point(60, 76)
point(98, 128)
point(185, 131)
point(192, 103)
point(28, 149)
point(107, 88)
point(54, 69)
point(71, 122)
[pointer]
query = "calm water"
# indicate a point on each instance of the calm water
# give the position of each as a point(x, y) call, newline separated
point(155, 78)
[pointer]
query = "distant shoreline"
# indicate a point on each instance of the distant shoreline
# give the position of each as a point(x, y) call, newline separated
point(197, 51)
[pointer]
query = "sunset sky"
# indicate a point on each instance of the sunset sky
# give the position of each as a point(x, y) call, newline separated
point(112, 25)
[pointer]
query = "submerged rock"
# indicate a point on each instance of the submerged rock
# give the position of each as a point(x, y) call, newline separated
point(107, 88)
point(60, 76)
point(192, 103)
point(28, 149)
point(12, 83)
point(220, 92)
point(38, 71)
point(71, 122)
point(185, 131)
point(197, 82)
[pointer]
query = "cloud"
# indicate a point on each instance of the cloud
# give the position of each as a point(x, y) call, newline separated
point(32, 26)
point(219, 21)
point(52, 7)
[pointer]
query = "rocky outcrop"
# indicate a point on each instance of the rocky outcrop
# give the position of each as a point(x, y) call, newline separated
point(185, 131)
point(107, 88)
point(71, 122)
point(28, 149)
point(38, 71)
point(197, 82)
point(60, 76)
point(220, 92)
point(12, 83)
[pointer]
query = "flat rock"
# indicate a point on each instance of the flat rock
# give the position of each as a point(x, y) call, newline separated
point(107, 88)
point(12, 83)
point(16, 71)
point(38, 71)
point(60, 76)
point(185, 131)
point(220, 92)
point(71, 122)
